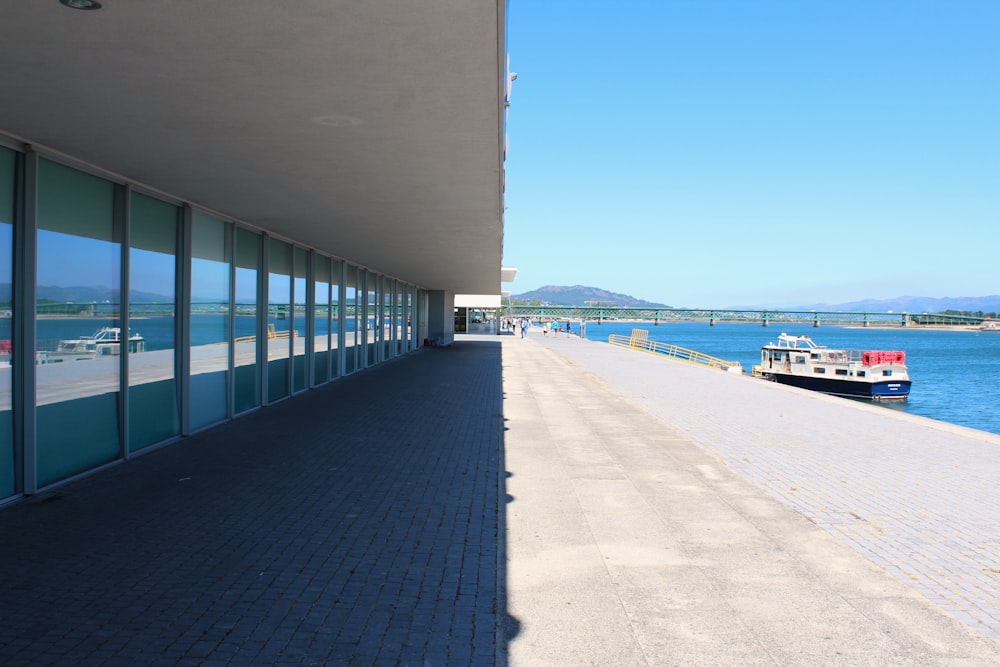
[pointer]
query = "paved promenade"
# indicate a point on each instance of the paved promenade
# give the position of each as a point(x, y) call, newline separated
point(718, 519)
point(522, 502)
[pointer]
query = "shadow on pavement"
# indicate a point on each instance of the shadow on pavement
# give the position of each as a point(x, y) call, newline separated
point(357, 524)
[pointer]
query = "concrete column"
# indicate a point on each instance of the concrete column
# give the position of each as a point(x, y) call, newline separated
point(441, 317)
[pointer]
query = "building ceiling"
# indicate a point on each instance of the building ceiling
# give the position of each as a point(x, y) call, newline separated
point(372, 130)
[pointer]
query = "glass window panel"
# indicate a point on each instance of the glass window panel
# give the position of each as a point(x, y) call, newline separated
point(410, 317)
point(8, 163)
point(210, 309)
point(372, 316)
point(154, 415)
point(385, 312)
point(399, 326)
point(78, 289)
point(299, 324)
point(351, 312)
point(246, 378)
point(321, 318)
point(335, 268)
point(279, 318)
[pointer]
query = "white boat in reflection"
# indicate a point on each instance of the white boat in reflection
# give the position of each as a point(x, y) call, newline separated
point(104, 341)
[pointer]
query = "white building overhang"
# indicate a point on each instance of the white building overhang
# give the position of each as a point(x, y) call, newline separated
point(371, 130)
point(477, 300)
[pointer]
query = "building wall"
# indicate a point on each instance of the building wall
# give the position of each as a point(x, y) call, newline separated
point(222, 318)
point(441, 317)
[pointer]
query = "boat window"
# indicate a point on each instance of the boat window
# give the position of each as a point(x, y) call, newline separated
point(862, 374)
point(841, 371)
point(777, 356)
point(814, 355)
point(819, 369)
point(800, 360)
point(887, 372)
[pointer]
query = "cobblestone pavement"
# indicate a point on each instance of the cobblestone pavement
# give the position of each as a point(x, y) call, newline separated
point(918, 497)
point(356, 524)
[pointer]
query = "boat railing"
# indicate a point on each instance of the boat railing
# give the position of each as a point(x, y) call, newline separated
point(639, 340)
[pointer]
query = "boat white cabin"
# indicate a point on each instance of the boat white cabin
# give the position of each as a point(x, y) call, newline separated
point(104, 341)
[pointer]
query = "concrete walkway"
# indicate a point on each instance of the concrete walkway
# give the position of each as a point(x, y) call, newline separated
point(663, 513)
point(523, 502)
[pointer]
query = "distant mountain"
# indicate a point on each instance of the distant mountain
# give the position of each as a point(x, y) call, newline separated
point(914, 304)
point(84, 294)
point(578, 295)
point(77, 294)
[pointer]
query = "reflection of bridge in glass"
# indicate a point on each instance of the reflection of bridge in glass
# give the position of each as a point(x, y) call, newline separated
point(763, 317)
point(112, 309)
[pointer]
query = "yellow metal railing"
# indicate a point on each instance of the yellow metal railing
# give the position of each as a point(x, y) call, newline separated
point(272, 334)
point(639, 340)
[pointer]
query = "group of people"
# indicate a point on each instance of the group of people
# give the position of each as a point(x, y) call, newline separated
point(522, 324)
point(554, 328)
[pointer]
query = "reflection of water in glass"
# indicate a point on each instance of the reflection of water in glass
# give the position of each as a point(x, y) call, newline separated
point(158, 331)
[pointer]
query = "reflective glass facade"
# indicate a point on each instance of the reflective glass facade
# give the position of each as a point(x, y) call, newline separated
point(8, 460)
point(321, 319)
point(145, 320)
point(352, 319)
point(373, 309)
point(209, 330)
point(246, 350)
point(300, 303)
point(154, 408)
point(78, 367)
point(279, 319)
point(336, 317)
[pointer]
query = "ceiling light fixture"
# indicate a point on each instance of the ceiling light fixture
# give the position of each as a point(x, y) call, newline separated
point(81, 4)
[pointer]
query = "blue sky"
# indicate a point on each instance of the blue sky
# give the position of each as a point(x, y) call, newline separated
point(717, 153)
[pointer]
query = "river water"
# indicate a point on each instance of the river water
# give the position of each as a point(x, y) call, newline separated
point(955, 374)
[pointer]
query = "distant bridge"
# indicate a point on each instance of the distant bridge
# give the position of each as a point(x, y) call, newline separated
point(763, 317)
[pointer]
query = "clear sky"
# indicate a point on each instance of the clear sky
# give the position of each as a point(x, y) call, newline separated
point(710, 153)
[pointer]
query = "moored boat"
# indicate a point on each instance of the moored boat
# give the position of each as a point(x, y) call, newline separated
point(104, 341)
point(879, 375)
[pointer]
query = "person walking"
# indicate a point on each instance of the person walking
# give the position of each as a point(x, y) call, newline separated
point(524, 327)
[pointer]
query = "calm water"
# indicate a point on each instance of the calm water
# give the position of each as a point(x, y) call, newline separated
point(955, 374)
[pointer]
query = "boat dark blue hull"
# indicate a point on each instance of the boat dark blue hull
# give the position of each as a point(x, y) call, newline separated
point(894, 390)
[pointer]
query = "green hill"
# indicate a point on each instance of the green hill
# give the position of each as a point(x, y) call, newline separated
point(579, 295)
